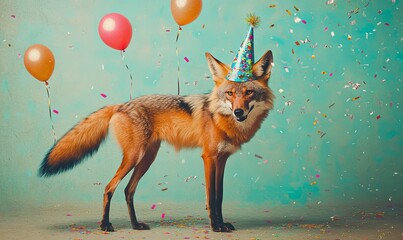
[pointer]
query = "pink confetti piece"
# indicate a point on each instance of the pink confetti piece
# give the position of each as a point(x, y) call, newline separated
point(69, 214)
point(55, 111)
point(103, 95)
point(265, 161)
point(326, 28)
point(330, 74)
point(19, 55)
point(303, 21)
point(186, 59)
point(168, 30)
point(317, 175)
point(13, 16)
point(378, 117)
point(163, 215)
point(153, 206)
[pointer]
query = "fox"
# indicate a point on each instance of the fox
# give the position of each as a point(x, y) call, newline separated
point(218, 122)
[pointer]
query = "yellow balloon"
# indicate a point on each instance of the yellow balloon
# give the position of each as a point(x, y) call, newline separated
point(39, 61)
point(185, 11)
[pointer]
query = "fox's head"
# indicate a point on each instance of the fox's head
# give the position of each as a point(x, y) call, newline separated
point(242, 99)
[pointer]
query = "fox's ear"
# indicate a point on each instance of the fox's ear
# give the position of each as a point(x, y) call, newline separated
point(262, 69)
point(218, 69)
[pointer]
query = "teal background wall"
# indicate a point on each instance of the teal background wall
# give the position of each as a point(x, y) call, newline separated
point(318, 146)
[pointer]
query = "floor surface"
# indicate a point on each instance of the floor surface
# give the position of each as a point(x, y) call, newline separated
point(180, 221)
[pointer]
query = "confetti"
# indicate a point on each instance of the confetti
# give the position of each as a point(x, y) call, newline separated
point(258, 156)
point(322, 134)
point(13, 16)
point(164, 189)
point(355, 98)
point(378, 117)
point(186, 59)
point(55, 111)
point(303, 21)
point(288, 11)
point(163, 215)
point(103, 95)
point(317, 175)
point(289, 103)
point(272, 6)
point(153, 206)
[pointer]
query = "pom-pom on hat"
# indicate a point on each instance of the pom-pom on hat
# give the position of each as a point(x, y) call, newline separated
point(241, 67)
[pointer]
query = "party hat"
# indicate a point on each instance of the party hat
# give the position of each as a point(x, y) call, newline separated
point(241, 67)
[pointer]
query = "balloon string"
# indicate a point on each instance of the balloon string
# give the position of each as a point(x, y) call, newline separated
point(122, 53)
point(177, 56)
point(50, 112)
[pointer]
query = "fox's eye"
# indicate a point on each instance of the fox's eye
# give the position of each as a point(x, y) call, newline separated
point(229, 93)
point(249, 92)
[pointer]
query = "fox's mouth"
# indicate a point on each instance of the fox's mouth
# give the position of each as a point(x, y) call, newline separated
point(243, 118)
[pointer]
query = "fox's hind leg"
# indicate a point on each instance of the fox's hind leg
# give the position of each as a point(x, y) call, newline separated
point(132, 140)
point(139, 170)
point(122, 171)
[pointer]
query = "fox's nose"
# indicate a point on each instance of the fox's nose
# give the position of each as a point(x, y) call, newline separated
point(238, 112)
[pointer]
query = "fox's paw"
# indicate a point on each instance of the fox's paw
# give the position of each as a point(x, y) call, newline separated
point(229, 225)
point(223, 227)
point(107, 227)
point(140, 226)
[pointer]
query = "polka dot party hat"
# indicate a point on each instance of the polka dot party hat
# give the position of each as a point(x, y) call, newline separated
point(241, 67)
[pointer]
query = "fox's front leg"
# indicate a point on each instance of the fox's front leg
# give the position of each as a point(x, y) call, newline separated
point(213, 203)
point(219, 178)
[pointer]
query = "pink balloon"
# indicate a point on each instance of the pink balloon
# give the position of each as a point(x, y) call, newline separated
point(115, 31)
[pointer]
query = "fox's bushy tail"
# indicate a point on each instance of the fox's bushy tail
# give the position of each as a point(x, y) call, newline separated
point(80, 142)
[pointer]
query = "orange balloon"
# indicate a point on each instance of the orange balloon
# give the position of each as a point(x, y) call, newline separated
point(39, 61)
point(185, 11)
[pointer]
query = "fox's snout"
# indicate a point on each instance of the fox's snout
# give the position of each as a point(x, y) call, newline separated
point(238, 112)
